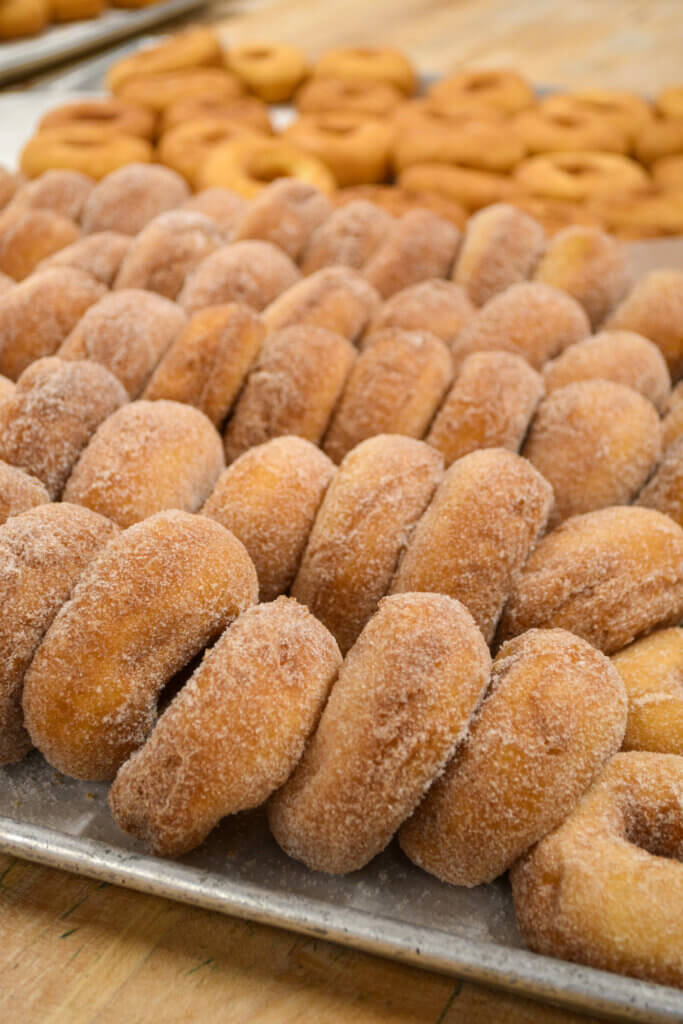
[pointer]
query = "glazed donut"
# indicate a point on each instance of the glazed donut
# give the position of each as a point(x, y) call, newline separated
point(469, 188)
point(265, 683)
point(544, 130)
point(168, 249)
point(490, 405)
point(626, 111)
point(128, 198)
point(207, 363)
point(399, 713)
point(644, 212)
point(99, 255)
point(244, 110)
point(501, 246)
point(89, 148)
point(145, 606)
point(608, 576)
point(128, 332)
point(441, 304)
point(654, 308)
point(419, 245)
point(158, 91)
point(430, 134)
point(43, 551)
point(54, 411)
point(578, 175)
point(247, 166)
point(672, 424)
point(221, 205)
point(355, 147)
point(668, 172)
point(147, 457)
point(28, 236)
point(23, 18)
point(323, 95)
point(669, 102)
point(373, 503)
point(529, 319)
point(613, 862)
point(10, 183)
point(665, 490)
point(75, 10)
point(285, 214)
point(118, 117)
point(272, 71)
point(652, 672)
point(554, 714)
point(395, 387)
point(336, 298)
point(662, 137)
point(505, 90)
point(38, 314)
point(369, 64)
point(554, 214)
point(63, 192)
point(195, 47)
point(19, 491)
point(478, 532)
point(347, 237)
point(253, 273)
point(187, 147)
point(292, 389)
point(269, 498)
point(397, 201)
point(596, 442)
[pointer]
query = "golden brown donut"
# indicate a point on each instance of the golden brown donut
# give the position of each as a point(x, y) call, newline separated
point(99, 255)
point(248, 165)
point(128, 198)
point(272, 71)
point(336, 298)
point(355, 147)
point(61, 191)
point(662, 137)
point(162, 89)
point(207, 363)
point(668, 172)
point(419, 245)
point(644, 212)
point(608, 576)
point(285, 213)
point(42, 554)
point(19, 491)
point(652, 672)
point(672, 424)
point(469, 188)
point(221, 205)
point(235, 732)
point(292, 389)
point(554, 214)
point(630, 113)
point(374, 99)
point(544, 130)
point(246, 110)
point(654, 308)
point(554, 714)
point(187, 147)
point(252, 272)
point(368, 64)
point(664, 491)
point(429, 134)
point(10, 182)
point(144, 607)
point(269, 498)
point(347, 237)
point(120, 118)
point(578, 175)
point(195, 47)
point(87, 147)
point(23, 18)
point(398, 201)
point(669, 101)
point(75, 10)
point(441, 304)
point(28, 236)
point(505, 90)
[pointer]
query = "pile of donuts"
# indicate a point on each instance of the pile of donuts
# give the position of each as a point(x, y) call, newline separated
point(595, 157)
point(356, 517)
point(21, 18)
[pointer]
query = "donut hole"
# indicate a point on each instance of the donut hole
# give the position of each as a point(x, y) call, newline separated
point(577, 170)
point(565, 120)
point(266, 168)
point(657, 830)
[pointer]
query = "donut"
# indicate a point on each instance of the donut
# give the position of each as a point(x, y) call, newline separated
point(544, 130)
point(652, 672)
point(336, 298)
point(221, 205)
point(285, 213)
point(644, 212)
point(554, 214)
point(268, 498)
point(626, 111)
point(56, 408)
point(397, 201)
point(441, 304)
point(187, 147)
point(23, 18)
point(609, 576)
point(207, 363)
point(168, 249)
point(127, 199)
point(554, 714)
point(38, 314)
point(118, 117)
point(369, 64)
point(429, 134)
point(490, 405)
point(99, 255)
point(529, 319)
point(483, 522)
point(672, 424)
point(505, 90)
point(373, 503)
point(662, 137)
point(248, 165)
point(654, 308)
point(265, 684)
point(578, 175)
point(470, 188)
point(7, 386)
point(664, 491)
point(158, 90)
point(292, 389)
point(620, 356)
point(501, 246)
point(5, 282)
point(272, 71)
point(43, 551)
point(347, 237)
point(418, 246)
point(145, 606)
point(28, 236)
point(75, 10)
point(374, 99)
point(19, 491)
point(128, 332)
point(355, 147)
point(613, 862)
point(61, 191)
point(668, 171)
point(88, 147)
point(246, 110)
point(395, 387)
point(669, 102)
point(10, 183)
point(253, 273)
point(195, 47)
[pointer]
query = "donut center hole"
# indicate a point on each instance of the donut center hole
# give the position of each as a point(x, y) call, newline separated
point(481, 83)
point(364, 51)
point(565, 120)
point(267, 170)
point(658, 831)
point(577, 170)
point(339, 129)
point(256, 53)
point(97, 115)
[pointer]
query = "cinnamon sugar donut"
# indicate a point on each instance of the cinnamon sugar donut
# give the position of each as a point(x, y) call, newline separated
point(662, 137)
point(336, 298)
point(654, 308)
point(10, 182)
point(369, 64)
point(120, 118)
point(546, 130)
point(251, 272)
point(61, 191)
point(374, 99)
point(235, 732)
point(5, 282)
point(464, 185)
point(248, 165)
point(652, 672)
point(144, 607)
point(159, 90)
point(630, 113)
point(672, 424)
point(292, 389)
point(379, 493)
point(272, 71)
point(505, 90)
point(285, 213)
point(403, 700)
point(668, 171)
point(578, 175)
point(355, 147)
point(99, 255)
point(195, 47)
point(429, 134)
point(87, 147)
point(554, 714)
point(664, 491)
point(347, 237)
point(221, 205)
point(7, 386)
point(246, 110)
point(19, 491)
point(187, 147)
point(269, 498)
point(419, 245)
point(441, 304)
point(126, 200)
point(28, 236)
point(669, 101)
point(23, 18)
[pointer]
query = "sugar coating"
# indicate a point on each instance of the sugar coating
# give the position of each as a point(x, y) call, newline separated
point(131, 196)
point(652, 672)
point(336, 298)
point(664, 491)
point(251, 272)
point(269, 498)
point(128, 332)
point(152, 600)
point(554, 714)
point(234, 733)
point(348, 237)
point(490, 405)
point(7, 386)
point(502, 246)
point(28, 236)
point(56, 408)
point(655, 308)
point(43, 551)
point(6, 282)
point(19, 491)
point(60, 190)
point(208, 362)
point(419, 245)
point(285, 213)
point(364, 524)
point(292, 389)
point(481, 526)
point(221, 205)
point(438, 306)
point(10, 182)
point(672, 424)
point(608, 576)
point(99, 255)
point(606, 887)
point(395, 387)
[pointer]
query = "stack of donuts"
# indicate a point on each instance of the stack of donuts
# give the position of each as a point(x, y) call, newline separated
point(21, 18)
point(396, 514)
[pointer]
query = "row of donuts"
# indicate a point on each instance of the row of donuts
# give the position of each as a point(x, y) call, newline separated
point(20, 18)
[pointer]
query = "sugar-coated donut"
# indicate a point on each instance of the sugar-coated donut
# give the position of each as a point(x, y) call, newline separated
point(19, 491)
point(75, 10)
point(554, 714)
point(336, 298)
point(246, 110)
point(61, 191)
point(347, 237)
point(7, 386)
point(151, 600)
point(28, 236)
point(269, 498)
point(672, 424)
point(251, 272)
point(418, 246)
point(403, 700)
point(187, 147)
point(84, 146)
point(398, 201)
point(23, 18)
point(503, 89)
point(395, 387)
point(379, 493)
point(442, 305)
point(665, 490)
point(130, 197)
point(99, 255)
point(578, 175)
point(119, 117)
point(43, 551)
point(369, 64)
point(6, 282)
point(608, 576)
point(221, 205)
point(10, 183)
point(285, 214)
point(162, 89)
point(208, 362)
point(272, 71)
point(655, 308)
point(545, 130)
point(235, 732)
point(374, 99)
point(629, 112)
point(249, 165)
point(464, 185)
point(292, 389)
point(355, 147)
point(661, 137)
point(501, 246)
point(490, 405)
point(196, 47)
point(614, 862)
point(652, 672)
point(425, 133)
point(668, 172)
